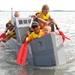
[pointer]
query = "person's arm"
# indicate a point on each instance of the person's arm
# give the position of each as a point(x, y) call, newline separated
point(28, 38)
point(24, 38)
point(43, 21)
point(53, 22)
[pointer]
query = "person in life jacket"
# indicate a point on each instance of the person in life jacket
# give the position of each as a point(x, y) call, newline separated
point(37, 32)
point(10, 33)
point(45, 15)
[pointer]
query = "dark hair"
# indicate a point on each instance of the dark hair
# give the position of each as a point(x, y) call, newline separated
point(7, 24)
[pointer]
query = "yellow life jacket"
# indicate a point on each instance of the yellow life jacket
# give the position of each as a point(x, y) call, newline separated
point(10, 21)
point(33, 36)
point(45, 17)
point(13, 33)
point(37, 35)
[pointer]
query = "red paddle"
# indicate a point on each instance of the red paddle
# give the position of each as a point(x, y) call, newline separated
point(63, 36)
point(2, 35)
point(22, 55)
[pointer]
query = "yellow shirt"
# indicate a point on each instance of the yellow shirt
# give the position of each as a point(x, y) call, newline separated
point(33, 36)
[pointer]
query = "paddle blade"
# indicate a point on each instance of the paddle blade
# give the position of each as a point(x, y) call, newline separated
point(2, 35)
point(22, 55)
point(63, 36)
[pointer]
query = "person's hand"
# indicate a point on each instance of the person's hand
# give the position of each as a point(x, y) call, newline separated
point(57, 27)
point(27, 33)
point(33, 16)
point(3, 40)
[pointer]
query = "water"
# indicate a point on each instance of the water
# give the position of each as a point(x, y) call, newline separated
point(8, 66)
